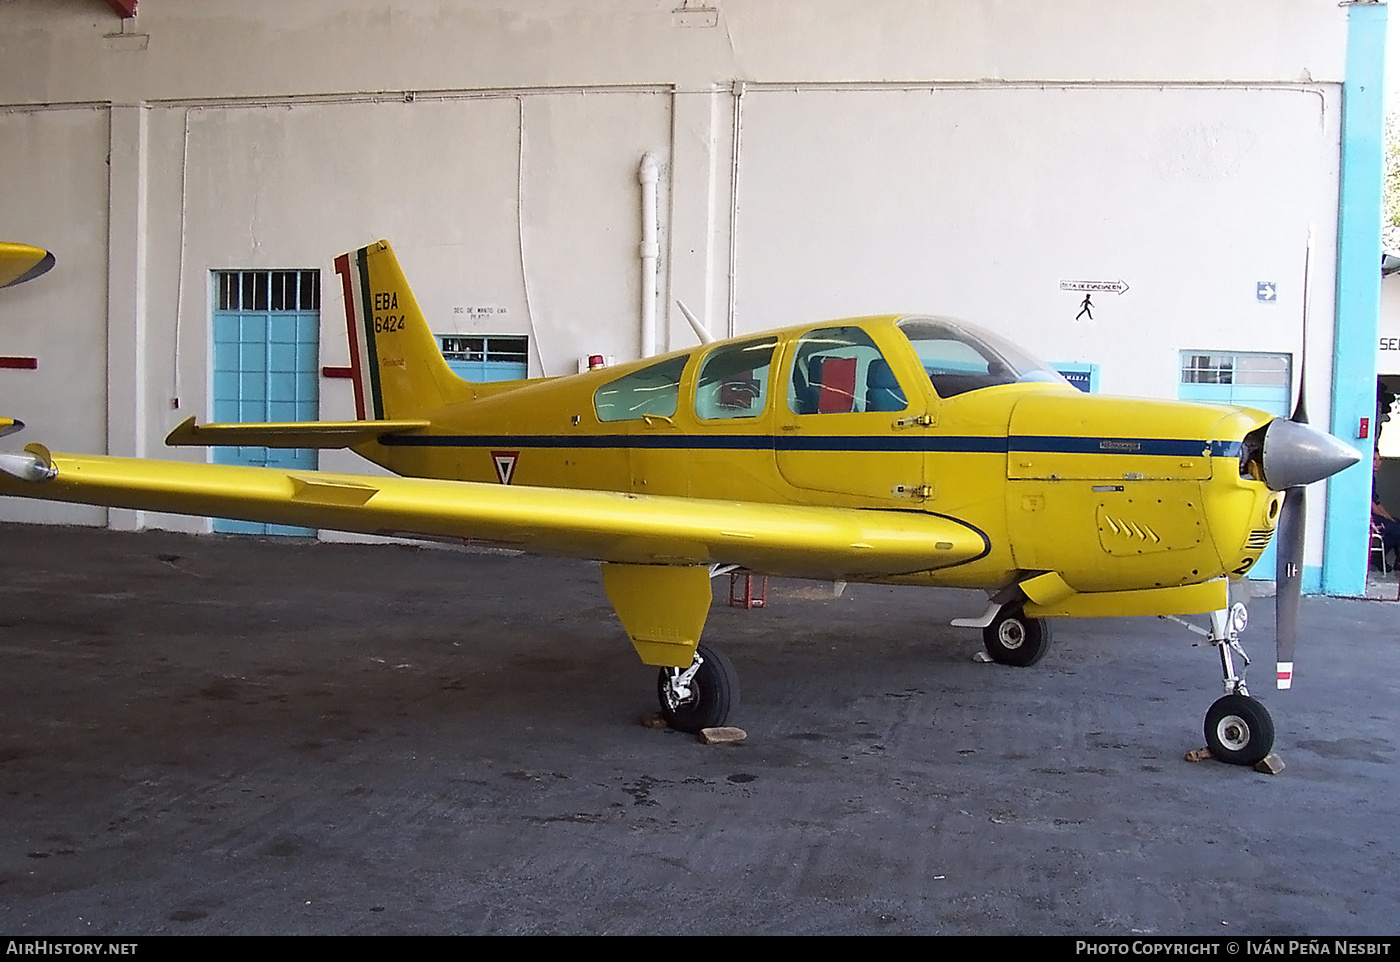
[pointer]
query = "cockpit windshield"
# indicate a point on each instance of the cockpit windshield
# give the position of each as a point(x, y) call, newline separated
point(960, 357)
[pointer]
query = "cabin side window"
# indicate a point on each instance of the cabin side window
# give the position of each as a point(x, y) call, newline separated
point(733, 381)
point(839, 370)
point(653, 391)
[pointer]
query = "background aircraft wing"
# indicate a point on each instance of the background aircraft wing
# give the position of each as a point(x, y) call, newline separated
point(20, 263)
point(287, 434)
point(794, 540)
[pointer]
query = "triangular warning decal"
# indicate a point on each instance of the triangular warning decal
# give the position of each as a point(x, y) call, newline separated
point(505, 464)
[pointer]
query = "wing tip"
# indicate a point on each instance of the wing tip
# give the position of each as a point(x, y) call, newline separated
point(40, 267)
point(183, 434)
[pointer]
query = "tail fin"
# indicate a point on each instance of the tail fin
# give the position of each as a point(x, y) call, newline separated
point(394, 359)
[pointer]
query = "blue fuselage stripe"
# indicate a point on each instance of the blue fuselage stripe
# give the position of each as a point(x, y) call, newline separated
point(1158, 447)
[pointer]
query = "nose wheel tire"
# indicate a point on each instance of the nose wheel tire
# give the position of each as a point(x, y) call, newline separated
point(705, 699)
point(1239, 730)
point(1014, 639)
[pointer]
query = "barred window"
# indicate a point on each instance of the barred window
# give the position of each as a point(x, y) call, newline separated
point(267, 290)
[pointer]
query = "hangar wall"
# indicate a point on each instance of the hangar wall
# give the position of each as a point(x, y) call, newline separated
point(818, 159)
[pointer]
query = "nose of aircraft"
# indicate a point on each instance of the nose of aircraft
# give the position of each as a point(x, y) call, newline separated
point(1297, 454)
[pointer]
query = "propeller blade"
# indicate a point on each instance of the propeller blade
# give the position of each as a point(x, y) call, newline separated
point(1300, 412)
point(1288, 578)
point(1301, 455)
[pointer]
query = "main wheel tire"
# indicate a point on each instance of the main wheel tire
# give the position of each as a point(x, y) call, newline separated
point(1014, 639)
point(1239, 730)
point(714, 693)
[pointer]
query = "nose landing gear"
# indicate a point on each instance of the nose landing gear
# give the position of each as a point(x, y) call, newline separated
point(1238, 728)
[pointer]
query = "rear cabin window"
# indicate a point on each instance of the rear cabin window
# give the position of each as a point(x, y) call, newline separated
point(653, 391)
point(839, 370)
point(733, 381)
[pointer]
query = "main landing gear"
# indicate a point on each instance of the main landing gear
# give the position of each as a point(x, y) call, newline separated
point(1013, 639)
point(1238, 728)
point(700, 696)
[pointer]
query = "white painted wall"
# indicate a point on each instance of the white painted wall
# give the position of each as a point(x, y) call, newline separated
point(58, 202)
point(979, 201)
point(953, 156)
point(1388, 356)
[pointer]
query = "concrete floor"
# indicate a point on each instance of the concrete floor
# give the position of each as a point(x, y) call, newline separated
point(220, 735)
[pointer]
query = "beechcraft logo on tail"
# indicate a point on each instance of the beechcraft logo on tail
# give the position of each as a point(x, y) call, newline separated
point(505, 464)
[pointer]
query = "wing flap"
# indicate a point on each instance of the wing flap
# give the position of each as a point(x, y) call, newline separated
point(794, 540)
point(287, 434)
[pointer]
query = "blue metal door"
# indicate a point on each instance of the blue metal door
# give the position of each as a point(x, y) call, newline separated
point(266, 356)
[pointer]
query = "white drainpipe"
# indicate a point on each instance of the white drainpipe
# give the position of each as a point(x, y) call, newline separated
point(649, 249)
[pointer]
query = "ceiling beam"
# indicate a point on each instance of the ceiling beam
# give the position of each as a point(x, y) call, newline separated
point(126, 9)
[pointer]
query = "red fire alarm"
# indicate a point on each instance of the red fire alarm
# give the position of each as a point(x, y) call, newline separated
point(1365, 430)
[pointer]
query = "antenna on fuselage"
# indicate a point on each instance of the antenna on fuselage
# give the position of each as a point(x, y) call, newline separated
point(701, 331)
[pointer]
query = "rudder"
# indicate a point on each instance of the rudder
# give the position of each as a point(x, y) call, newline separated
point(395, 361)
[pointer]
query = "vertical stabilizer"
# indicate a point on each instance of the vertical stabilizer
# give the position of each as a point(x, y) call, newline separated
point(394, 359)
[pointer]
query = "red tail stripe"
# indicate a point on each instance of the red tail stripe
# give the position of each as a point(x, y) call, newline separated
point(342, 267)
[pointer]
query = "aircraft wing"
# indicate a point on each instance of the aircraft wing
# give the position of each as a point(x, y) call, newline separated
point(287, 434)
point(20, 263)
point(794, 540)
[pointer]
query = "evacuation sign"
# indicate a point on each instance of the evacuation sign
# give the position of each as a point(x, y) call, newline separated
point(1095, 287)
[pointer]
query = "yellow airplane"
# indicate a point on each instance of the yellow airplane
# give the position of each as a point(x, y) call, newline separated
point(20, 263)
point(906, 450)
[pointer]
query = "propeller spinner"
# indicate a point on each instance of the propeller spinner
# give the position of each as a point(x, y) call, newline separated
point(1296, 454)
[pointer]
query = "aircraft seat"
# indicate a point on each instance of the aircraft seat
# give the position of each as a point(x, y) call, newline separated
point(882, 391)
point(835, 380)
point(807, 387)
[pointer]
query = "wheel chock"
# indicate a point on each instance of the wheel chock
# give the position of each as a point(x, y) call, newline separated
point(725, 735)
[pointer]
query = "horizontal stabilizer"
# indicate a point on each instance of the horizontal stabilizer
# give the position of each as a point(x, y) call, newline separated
point(287, 434)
